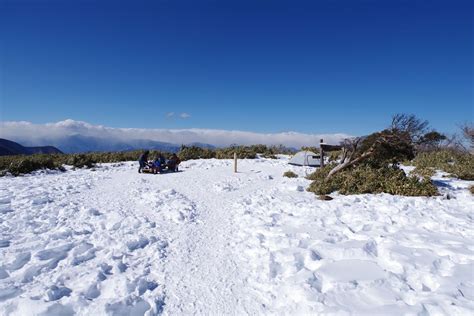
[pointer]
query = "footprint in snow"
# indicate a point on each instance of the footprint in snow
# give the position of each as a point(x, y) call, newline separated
point(20, 261)
point(82, 253)
point(58, 309)
point(92, 292)
point(54, 255)
point(3, 273)
point(141, 243)
point(5, 205)
point(144, 285)
point(131, 306)
point(55, 293)
point(94, 212)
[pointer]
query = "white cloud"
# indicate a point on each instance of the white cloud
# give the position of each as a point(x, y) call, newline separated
point(184, 115)
point(39, 134)
point(169, 114)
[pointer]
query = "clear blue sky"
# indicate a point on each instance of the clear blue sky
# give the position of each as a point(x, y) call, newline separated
point(265, 66)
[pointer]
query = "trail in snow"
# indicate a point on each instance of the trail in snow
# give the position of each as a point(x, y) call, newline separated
point(208, 241)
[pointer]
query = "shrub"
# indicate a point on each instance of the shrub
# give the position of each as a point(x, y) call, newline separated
point(243, 152)
point(27, 164)
point(269, 156)
point(311, 148)
point(80, 161)
point(389, 146)
point(367, 179)
point(282, 150)
point(21, 164)
point(321, 173)
point(334, 155)
point(194, 152)
point(290, 174)
point(457, 163)
point(260, 149)
point(424, 172)
point(24, 164)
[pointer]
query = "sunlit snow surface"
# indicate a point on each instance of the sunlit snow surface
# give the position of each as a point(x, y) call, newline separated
point(208, 241)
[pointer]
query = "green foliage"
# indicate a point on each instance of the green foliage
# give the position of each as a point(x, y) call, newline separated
point(311, 148)
point(321, 173)
point(20, 164)
point(194, 152)
point(319, 185)
point(259, 148)
point(26, 164)
point(425, 172)
point(396, 147)
point(373, 164)
point(458, 164)
point(109, 157)
point(280, 149)
point(431, 139)
point(334, 155)
point(269, 156)
point(368, 179)
point(290, 174)
point(270, 152)
point(243, 152)
point(80, 161)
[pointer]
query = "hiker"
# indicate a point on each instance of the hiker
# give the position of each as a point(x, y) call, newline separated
point(162, 160)
point(158, 164)
point(173, 163)
point(143, 160)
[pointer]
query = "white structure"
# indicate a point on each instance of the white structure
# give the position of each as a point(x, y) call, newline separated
point(305, 158)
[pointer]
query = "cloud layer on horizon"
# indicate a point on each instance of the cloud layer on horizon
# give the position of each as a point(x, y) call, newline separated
point(37, 134)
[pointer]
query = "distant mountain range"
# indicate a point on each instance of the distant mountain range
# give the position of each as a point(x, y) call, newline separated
point(7, 147)
point(81, 144)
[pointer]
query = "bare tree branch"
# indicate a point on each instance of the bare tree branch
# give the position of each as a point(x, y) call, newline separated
point(410, 124)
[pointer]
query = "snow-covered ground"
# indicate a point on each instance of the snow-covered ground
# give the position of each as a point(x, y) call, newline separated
point(208, 241)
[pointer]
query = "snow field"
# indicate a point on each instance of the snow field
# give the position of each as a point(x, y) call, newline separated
point(208, 241)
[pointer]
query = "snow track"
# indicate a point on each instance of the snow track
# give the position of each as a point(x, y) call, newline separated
point(208, 241)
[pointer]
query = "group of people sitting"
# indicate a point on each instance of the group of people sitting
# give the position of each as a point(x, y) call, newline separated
point(158, 164)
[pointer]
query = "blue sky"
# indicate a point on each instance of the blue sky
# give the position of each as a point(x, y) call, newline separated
point(266, 66)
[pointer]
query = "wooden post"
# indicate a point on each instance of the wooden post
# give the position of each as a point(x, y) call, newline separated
point(321, 152)
point(235, 162)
